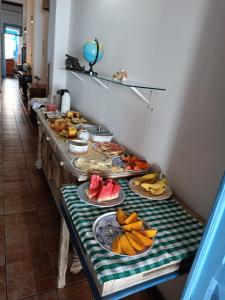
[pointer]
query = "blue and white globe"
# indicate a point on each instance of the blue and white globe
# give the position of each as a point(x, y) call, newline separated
point(90, 51)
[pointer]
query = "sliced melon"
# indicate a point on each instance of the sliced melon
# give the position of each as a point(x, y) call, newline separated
point(116, 247)
point(126, 246)
point(132, 218)
point(136, 243)
point(150, 233)
point(146, 241)
point(133, 226)
point(121, 216)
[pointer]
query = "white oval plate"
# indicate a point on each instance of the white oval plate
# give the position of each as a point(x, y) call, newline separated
point(83, 196)
point(141, 192)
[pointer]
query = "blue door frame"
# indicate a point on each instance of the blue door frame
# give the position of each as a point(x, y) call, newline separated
point(3, 70)
point(206, 280)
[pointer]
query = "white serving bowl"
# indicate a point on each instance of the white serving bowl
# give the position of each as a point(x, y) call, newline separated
point(78, 146)
point(101, 138)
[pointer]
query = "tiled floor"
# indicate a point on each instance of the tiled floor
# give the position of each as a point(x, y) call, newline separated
point(29, 220)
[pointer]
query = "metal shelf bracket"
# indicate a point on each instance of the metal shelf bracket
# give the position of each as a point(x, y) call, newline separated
point(136, 91)
point(78, 76)
point(100, 82)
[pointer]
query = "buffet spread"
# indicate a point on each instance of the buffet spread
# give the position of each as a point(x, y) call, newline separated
point(135, 225)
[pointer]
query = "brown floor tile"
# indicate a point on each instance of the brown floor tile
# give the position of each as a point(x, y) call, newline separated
point(2, 283)
point(70, 277)
point(23, 222)
point(78, 291)
point(18, 197)
point(38, 181)
point(49, 217)
point(13, 175)
point(2, 252)
point(2, 227)
point(52, 239)
point(11, 150)
point(25, 245)
point(45, 296)
point(1, 206)
point(14, 164)
point(31, 160)
point(29, 277)
point(44, 199)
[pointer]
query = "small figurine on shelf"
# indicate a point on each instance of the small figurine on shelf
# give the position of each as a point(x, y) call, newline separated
point(72, 63)
point(120, 75)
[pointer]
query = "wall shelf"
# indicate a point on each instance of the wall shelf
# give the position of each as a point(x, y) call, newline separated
point(134, 86)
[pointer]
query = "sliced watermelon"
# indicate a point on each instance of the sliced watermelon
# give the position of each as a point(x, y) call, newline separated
point(94, 186)
point(95, 182)
point(106, 192)
point(116, 190)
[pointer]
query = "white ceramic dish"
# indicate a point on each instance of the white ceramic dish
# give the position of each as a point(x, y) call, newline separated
point(101, 138)
point(141, 192)
point(77, 146)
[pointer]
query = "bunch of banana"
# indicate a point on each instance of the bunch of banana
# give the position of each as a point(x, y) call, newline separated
point(148, 178)
point(152, 183)
point(156, 188)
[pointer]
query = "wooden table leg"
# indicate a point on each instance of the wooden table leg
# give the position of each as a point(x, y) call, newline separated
point(63, 254)
point(38, 163)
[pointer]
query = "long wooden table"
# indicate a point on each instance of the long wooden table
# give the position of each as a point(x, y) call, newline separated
point(55, 160)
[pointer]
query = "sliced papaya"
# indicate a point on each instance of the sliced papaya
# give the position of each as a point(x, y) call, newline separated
point(150, 233)
point(133, 226)
point(126, 246)
point(132, 218)
point(116, 247)
point(136, 243)
point(146, 241)
point(121, 216)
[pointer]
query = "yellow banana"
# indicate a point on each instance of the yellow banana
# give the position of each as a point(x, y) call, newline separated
point(148, 177)
point(154, 186)
point(158, 191)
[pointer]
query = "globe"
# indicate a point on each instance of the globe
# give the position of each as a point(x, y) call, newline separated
point(92, 53)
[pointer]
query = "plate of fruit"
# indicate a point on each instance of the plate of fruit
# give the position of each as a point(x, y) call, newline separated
point(108, 148)
point(101, 193)
point(151, 187)
point(124, 234)
point(130, 163)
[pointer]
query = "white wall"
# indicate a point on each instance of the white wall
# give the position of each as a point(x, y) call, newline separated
point(176, 45)
point(40, 41)
point(172, 45)
point(59, 22)
point(30, 33)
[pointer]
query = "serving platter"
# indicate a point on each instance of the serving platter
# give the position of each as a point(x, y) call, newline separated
point(118, 162)
point(90, 164)
point(83, 196)
point(106, 228)
point(142, 192)
point(108, 148)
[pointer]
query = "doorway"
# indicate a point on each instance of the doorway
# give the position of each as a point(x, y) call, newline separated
point(12, 42)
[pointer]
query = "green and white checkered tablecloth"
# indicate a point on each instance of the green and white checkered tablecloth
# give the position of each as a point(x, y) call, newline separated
point(178, 235)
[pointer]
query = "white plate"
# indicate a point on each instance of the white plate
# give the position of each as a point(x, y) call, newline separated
point(83, 196)
point(142, 192)
point(106, 228)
